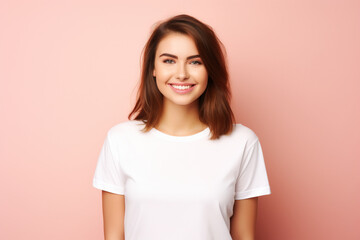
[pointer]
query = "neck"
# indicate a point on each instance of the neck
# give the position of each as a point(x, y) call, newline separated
point(180, 120)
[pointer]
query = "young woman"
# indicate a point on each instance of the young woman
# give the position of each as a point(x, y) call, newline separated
point(182, 168)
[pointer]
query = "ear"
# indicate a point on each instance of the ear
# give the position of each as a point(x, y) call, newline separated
point(154, 75)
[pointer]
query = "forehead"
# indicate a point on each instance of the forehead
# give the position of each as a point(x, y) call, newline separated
point(177, 44)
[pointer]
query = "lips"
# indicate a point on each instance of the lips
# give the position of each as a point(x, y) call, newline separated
point(182, 88)
point(182, 84)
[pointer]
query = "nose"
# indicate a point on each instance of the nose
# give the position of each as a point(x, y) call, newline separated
point(182, 73)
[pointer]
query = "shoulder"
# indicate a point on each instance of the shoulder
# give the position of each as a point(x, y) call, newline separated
point(125, 129)
point(244, 132)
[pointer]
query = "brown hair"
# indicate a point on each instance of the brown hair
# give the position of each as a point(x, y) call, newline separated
point(214, 107)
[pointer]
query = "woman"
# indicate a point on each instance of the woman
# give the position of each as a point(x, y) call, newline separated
point(182, 168)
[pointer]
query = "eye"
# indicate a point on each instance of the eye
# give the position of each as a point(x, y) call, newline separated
point(167, 60)
point(196, 62)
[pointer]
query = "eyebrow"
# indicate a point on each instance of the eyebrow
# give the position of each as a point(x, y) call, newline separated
point(173, 56)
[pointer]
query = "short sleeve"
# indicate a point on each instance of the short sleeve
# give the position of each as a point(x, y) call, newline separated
point(252, 180)
point(108, 173)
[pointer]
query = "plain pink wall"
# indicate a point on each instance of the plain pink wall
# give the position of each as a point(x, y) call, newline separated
point(69, 71)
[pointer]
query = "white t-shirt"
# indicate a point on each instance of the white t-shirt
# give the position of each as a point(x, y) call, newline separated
point(180, 187)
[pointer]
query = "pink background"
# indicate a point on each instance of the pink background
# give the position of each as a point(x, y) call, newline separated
point(69, 71)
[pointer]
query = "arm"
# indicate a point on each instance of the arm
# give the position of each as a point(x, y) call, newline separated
point(113, 215)
point(242, 223)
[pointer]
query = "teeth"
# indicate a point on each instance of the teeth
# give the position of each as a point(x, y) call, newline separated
point(181, 87)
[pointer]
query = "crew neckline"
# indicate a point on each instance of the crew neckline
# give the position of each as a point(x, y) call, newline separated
point(195, 136)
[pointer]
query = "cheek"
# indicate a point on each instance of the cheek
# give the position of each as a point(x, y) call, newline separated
point(199, 73)
point(163, 73)
point(203, 76)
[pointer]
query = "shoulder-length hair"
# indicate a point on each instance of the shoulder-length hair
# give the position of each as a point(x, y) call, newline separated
point(214, 103)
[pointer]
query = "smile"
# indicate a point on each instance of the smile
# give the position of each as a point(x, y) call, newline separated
point(182, 88)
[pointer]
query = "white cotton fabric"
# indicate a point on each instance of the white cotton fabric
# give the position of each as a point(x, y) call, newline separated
point(180, 187)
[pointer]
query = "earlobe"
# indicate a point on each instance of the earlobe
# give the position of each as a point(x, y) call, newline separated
point(154, 73)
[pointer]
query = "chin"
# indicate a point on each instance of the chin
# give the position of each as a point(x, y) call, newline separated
point(183, 103)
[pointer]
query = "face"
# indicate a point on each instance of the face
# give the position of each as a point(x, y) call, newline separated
point(180, 74)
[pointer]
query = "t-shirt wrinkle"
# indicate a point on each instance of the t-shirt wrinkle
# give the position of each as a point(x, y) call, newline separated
point(244, 163)
point(251, 147)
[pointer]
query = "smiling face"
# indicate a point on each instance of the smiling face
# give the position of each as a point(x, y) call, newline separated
point(180, 74)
